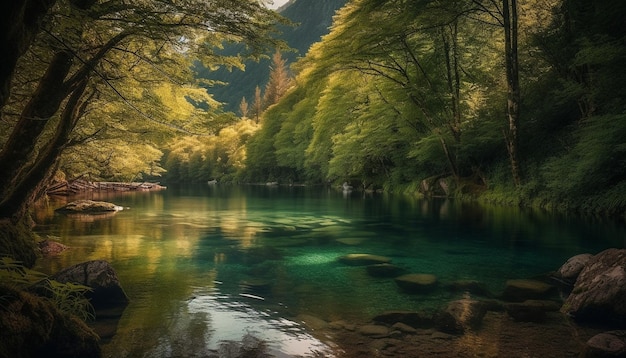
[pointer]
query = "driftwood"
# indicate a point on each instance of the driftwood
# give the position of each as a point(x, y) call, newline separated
point(76, 186)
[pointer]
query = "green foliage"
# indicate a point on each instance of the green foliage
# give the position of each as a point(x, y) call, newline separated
point(198, 159)
point(70, 298)
point(67, 297)
point(596, 161)
point(14, 274)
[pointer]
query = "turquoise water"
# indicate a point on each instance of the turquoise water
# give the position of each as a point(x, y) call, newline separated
point(207, 265)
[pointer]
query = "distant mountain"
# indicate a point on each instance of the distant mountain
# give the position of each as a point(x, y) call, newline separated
point(313, 19)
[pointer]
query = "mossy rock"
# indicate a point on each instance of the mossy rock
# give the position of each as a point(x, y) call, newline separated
point(89, 206)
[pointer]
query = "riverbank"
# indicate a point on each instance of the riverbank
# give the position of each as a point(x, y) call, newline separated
point(498, 336)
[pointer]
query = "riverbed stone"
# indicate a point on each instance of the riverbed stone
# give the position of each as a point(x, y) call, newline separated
point(100, 276)
point(404, 328)
point(570, 270)
point(460, 316)
point(523, 289)
point(51, 247)
point(89, 206)
point(313, 322)
point(531, 310)
point(342, 324)
point(256, 285)
point(363, 259)
point(410, 318)
point(611, 344)
point(599, 294)
point(472, 286)
point(384, 270)
point(417, 282)
point(374, 330)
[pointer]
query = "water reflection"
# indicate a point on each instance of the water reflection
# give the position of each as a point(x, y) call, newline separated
point(185, 257)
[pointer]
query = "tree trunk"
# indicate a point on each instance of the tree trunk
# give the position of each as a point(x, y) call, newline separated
point(17, 200)
point(20, 21)
point(44, 103)
point(509, 12)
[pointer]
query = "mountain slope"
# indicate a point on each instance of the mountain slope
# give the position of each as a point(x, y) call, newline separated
point(313, 18)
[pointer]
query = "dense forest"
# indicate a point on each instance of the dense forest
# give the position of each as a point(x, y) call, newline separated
point(518, 102)
point(514, 102)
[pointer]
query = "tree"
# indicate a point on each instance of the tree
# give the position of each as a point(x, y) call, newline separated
point(257, 106)
point(88, 52)
point(510, 20)
point(279, 81)
point(243, 108)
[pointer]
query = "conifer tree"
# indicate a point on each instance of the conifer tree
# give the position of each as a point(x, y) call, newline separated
point(279, 81)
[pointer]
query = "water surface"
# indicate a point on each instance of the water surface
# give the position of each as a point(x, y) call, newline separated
point(204, 266)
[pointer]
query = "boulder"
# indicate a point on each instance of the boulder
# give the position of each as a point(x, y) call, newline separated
point(411, 318)
point(610, 344)
point(89, 206)
point(522, 290)
point(572, 267)
point(599, 294)
point(363, 259)
point(101, 278)
point(417, 282)
point(384, 270)
point(460, 316)
point(51, 248)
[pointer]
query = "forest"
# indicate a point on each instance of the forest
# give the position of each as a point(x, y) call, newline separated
point(513, 102)
point(519, 103)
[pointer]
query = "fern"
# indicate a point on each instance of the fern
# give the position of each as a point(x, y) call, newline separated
point(70, 298)
point(67, 297)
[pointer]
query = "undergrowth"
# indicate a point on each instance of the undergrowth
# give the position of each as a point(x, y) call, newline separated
point(67, 297)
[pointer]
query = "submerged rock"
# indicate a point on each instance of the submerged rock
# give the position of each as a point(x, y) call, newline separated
point(471, 286)
point(374, 330)
point(599, 294)
point(89, 206)
point(101, 277)
point(522, 290)
point(363, 259)
point(417, 282)
point(313, 322)
point(531, 310)
point(411, 318)
point(572, 267)
point(384, 270)
point(606, 345)
point(460, 316)
point(51, 248)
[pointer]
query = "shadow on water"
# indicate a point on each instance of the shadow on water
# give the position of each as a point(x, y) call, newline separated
point(219, 269)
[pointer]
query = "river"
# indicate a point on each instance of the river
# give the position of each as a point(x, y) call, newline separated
point(215, 268)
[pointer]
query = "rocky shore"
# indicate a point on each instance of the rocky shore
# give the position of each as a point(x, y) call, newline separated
point(577, 311)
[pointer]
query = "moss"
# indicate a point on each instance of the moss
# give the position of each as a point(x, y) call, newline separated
point(30, 326)
point(18, 242)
